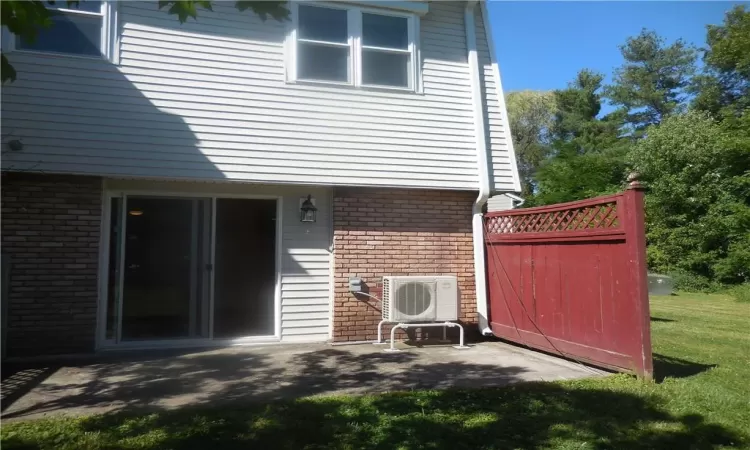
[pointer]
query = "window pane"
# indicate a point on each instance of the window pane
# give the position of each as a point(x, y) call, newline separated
point(82, 6)
point(323, 24)
point(386, 69)
point(68, 34)
point(385, 31)
point(320, 62)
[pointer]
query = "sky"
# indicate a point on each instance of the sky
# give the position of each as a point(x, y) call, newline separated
point(542, 45)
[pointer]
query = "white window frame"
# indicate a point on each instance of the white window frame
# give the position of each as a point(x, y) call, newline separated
point(354, 25)
point(109, 39)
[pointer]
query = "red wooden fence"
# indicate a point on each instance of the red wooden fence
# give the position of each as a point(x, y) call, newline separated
point(571, 279)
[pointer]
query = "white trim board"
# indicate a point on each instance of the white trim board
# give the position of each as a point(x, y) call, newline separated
point(417, 7)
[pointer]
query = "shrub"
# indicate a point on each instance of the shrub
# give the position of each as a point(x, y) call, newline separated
point(741, 293)
point(691, 282)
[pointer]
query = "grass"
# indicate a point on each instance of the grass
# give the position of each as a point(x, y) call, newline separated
point(701, 400)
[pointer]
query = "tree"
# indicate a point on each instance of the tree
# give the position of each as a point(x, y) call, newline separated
point(24, 18)
point(577, 125)
point(724, 87)
point(698, 204)
point(570, 176)
point(652, 82)
point(530, 114)
point(587, 156)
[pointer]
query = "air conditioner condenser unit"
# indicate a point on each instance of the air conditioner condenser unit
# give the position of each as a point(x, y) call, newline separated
point(420, 298)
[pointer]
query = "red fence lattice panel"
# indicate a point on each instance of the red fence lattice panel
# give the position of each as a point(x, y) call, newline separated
point(571, 279)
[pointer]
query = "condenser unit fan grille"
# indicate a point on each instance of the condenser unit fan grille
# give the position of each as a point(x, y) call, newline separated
point(414, 299)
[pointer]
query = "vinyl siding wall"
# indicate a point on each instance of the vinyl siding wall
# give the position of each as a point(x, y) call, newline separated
point(499, 203)
point(207, 100)
point(305, 253)
point(502, 170)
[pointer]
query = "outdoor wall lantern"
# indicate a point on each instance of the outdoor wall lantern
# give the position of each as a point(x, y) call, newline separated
point(308, 211)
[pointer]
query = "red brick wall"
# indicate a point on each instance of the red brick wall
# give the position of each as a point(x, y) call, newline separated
point(50, 229)
point(381, 232)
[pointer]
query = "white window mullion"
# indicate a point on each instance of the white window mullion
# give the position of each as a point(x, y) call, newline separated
point(292, 47)
point(326, 43)
point(355, 38)
point(416, 54)
point(412, 78)
point(104, 35)
point(408, 51)
point(113, 32)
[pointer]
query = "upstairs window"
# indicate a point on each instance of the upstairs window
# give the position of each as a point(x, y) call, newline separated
point(353, 46)
point(324, 50)
point(386, 51)
point(81, 29)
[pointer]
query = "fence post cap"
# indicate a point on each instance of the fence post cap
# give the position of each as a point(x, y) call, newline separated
point(633, 182)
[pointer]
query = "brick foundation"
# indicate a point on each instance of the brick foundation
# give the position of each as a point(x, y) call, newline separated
point(381, 232)
point(50, 230)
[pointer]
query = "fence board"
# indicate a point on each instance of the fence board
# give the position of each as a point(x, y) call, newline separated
point(571, 279)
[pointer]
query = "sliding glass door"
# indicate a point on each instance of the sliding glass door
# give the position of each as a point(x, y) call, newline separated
point(245, 267)
point(190, 268)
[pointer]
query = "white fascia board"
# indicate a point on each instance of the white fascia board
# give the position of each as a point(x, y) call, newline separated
point(415, 7)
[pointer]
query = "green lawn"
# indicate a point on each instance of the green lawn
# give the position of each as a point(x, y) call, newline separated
point(701, 400)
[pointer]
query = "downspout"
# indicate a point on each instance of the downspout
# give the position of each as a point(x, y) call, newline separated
point(477, 221)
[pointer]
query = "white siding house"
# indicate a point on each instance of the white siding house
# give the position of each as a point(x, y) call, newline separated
point(209, 99)
point(232, 106)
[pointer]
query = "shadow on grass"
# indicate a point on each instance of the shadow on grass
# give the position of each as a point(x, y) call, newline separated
point(668, 367)
point(530, 415)
point(661, 319)
point(243, 401)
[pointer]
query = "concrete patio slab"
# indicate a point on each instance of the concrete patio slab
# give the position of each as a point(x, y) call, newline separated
point(159, 381)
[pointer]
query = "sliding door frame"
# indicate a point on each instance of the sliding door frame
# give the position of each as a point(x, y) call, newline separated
point(104, 344)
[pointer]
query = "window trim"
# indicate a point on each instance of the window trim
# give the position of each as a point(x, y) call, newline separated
point(109, 38)
point(354, 26)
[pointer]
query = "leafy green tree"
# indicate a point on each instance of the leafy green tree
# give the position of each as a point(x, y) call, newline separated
point(530, 113)
point(571, 176)
point(24, 18)
point(698, 204)
point(653, 81)
point(577, 126)
point(724, 87)
point(587, 155)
